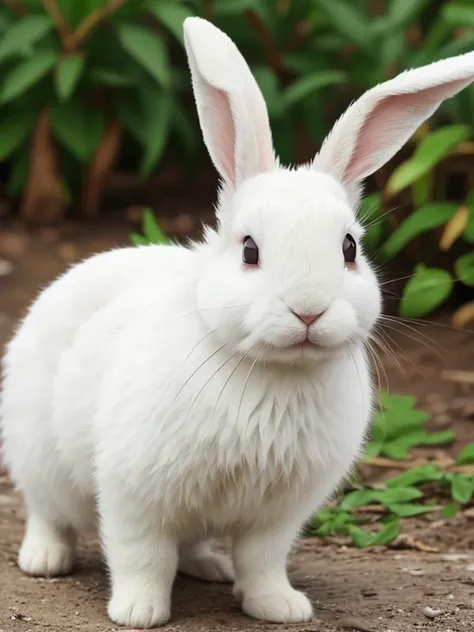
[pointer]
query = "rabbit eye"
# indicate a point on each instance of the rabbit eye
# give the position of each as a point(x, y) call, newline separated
point(250, 252)
point(349, 249)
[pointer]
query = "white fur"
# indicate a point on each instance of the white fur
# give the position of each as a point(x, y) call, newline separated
point(160, 387)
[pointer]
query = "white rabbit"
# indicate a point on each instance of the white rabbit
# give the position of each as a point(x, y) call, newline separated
point(184, 393)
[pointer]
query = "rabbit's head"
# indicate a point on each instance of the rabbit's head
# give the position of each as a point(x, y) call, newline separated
point(284, 276)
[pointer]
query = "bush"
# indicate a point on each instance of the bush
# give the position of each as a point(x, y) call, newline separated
point(84, 82)
point(76, 78)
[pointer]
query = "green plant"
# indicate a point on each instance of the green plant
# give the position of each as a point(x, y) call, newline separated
point(370, 515)
point(151, 232)
point(78, 77)
point(428, 287)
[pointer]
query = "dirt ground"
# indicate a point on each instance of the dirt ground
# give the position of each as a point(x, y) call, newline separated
point(380, 590)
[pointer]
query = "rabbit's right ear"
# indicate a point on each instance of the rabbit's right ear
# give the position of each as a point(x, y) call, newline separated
point(376, 126)
point(231, 108)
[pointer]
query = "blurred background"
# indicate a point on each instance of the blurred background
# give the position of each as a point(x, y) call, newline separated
point(100, 147)
point(97, 121)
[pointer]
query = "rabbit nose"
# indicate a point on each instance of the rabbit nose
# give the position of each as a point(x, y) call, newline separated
point(308, 319)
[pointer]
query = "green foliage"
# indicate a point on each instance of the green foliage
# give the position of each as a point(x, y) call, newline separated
point(152, 233)
point(310, 59)
point(434, 147)
point(412, 493)
point(108, 62)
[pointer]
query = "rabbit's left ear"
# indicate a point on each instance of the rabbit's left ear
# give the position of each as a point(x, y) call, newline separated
point(231, 108)
point(375, 127)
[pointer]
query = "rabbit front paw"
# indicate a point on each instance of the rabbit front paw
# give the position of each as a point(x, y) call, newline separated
point(284, 605)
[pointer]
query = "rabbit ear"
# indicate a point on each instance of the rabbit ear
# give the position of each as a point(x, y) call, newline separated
point(231, 108)
point(376, 126)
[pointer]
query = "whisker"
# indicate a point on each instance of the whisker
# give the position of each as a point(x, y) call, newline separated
point(246, 354)
point(256, 359)
point(208, 380)
point(386, 320)
point(214, 353)
point(385, 347)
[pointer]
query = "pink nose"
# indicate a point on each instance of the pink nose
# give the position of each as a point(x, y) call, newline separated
point(308, 319)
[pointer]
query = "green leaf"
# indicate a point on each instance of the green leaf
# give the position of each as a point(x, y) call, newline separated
point(458, 14)
point(139, 240)
point(398, 423)
point(232, 7)
point(170, 13)
point(284, 139)
point(24, 33)
point(444, 437)
point(431, 150)
point(147, 49)
point(417, 475)
point(360, 538)
point(26, 74)
point(111, 77)
point(396, 495)
point(151, 230)
point(268, 83)
point(420, 221)
point(377, 438)
point(302, 88)
point(398, 448)
point(465, 269)
point(387, 534)
point(68, 73)
point(468, 234)
point(449, 511)
point(79, 127)
point(14, 128)
point(18, 174)
point(462, 488)
point(402, 12)
point(425, 291)
point(398, 403)
point(406, 510)
point(466, 456)
point(347, 20)
point(358, 499)
point(157, 123)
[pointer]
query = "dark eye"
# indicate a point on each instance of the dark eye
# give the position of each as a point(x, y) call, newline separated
point(349, 249)
point(250, 252)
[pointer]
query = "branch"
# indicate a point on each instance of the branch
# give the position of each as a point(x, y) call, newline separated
point(271, 53)
point(62, 27)
point(93, 20)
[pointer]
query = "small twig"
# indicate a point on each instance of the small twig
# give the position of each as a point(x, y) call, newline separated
point(51, 7)
point(93, 20)
point(380, 461)
point(465, 377)
point(208, 9)
point(271, 53)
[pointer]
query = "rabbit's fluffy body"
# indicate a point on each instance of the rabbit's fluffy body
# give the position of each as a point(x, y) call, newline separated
point(134, 379)
point(182, 393)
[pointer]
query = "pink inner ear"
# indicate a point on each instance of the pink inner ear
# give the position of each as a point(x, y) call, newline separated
point(390, 124)
point(221, 129)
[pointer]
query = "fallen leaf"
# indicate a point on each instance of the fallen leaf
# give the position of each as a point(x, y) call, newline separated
point(465, 377)
point(454, 228)
point(463, 315)
point(406, 541)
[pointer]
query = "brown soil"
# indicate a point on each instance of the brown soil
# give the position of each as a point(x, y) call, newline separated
point(383, 590)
